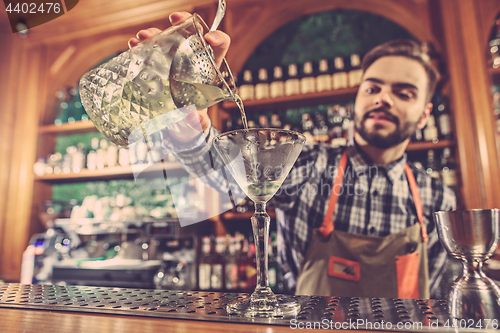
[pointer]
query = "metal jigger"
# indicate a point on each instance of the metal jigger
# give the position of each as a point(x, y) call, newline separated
point(471, 236)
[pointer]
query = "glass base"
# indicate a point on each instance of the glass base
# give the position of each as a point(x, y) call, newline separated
point(474, 296)
point(265, 304)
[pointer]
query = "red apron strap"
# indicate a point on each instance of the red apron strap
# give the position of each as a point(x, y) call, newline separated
point(417, 200)
point(327, 226)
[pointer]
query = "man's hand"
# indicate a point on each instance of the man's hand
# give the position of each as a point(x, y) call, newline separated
point(220, 44)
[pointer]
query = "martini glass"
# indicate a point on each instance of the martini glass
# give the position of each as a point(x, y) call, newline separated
point(259, 160)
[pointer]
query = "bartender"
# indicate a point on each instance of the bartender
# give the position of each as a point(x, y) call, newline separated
point(354, 221)
point(360, 222)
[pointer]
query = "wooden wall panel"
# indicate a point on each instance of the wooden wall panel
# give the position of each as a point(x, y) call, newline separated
point(486, 12)
point(7, 103)
point(22, 139)
point(472, 102)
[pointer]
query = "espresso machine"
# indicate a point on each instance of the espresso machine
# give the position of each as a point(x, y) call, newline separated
point(146, 253)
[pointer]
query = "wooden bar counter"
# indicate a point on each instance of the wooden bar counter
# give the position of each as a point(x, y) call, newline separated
point(23, 321)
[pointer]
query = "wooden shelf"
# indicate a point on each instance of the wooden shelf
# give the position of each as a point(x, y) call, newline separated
point(67, 128)
point(294, 101)
point(494, 71)
point(495, 74)
point(415, 146)
point(105, 174)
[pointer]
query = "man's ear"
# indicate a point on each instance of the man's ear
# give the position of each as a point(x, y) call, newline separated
point(425, 116)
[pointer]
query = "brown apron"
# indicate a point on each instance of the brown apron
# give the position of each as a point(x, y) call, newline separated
point(340, 263)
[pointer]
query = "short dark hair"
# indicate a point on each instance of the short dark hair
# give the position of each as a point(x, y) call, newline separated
point(409, 49)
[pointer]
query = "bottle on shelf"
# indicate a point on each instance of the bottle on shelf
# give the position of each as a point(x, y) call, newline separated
point(320, 130)
point(243, 262)
point(339, 77)
point(123, 157)
point(341, 140)
point(307, 81)
point(231, 267)
point(246, 90)
point(112, 155)
point(138, 152)
point(78, 158)
point(324, 78)
point(355, 72)
point(155, 150)
point(275, 120)
point(40, 166)
point(92, 155)
point(61, 111)
point(275, 278)
point(227, 124)
point(277, 86)
point(252, 124)
point(67, 160)
point(495, 44)
point(217, 262)
point(307, 128)
point(239, 123)
point(251, 268)
point(55, 162)
point(432, 167)
point(262, 86)
point(102, 154)
point(334, 123)
point(292, 83)
point(263, 121)
point(431, 131)
point(272, 267)
point(348, 124)
point(205, 265)
point(442, 117)
point(419, 165)
point(418, 136)
point(449, 174)
point(75, 109)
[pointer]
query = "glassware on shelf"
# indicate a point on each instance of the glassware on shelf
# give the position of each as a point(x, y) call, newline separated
point(260, 160)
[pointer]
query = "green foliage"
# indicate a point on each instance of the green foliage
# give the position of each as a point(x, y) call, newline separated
point(139, 191)
point(64, 141)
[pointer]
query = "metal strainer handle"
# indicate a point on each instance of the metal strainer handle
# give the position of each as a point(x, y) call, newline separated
point(221, 10)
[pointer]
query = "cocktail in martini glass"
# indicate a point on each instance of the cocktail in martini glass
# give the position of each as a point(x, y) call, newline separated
point(260, 160)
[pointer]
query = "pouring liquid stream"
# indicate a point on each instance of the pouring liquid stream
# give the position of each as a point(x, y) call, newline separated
point(203, 95)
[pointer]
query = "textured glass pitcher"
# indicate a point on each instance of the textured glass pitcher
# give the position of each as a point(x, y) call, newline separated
point(155, 84)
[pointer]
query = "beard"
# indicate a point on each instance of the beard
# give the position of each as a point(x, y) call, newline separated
point(374, 138)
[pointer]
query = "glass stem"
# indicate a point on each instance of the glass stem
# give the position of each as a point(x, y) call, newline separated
point(260, 226)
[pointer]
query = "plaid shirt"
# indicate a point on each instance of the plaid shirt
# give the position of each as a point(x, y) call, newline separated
point(373, 200)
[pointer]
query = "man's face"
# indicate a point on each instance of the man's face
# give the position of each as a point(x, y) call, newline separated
point(391, 101)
